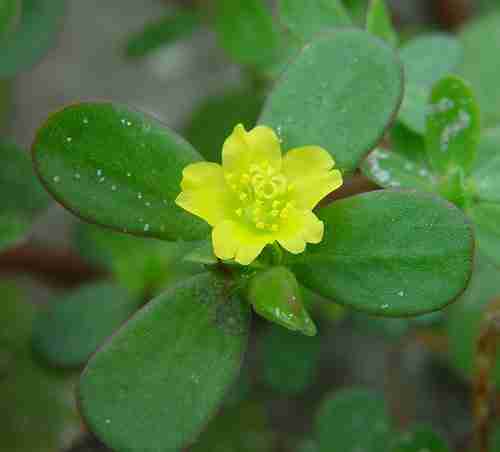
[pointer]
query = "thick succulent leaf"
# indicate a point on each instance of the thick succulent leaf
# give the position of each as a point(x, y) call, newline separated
point(353, 419)
point(34, 35)
point(391, 253)
point(38, 410)
point(341, 93)
point(76, 324)
point(118, 168)
point(420, 439)
point(290, 361)
point(392, 169)
point(306, 19)
point(480, 64)
point(10, 12)
point(276, 296)
point(216, 117)
point(464, 317)
point(22, 199)
point(162, 32)
point(143, 266)
point(246, 31)
point(453, 126)
point(426, 60)
point(379, 22)
point(172, 363)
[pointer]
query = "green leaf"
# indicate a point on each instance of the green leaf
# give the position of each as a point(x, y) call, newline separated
point(203, 254)
point(352, 419)
point(162, 32)
point(118, 168)
point(391, 169)
point(409, 144)
point(246, 32)
point(420, 439)
point(341, 93)
point(464, 317)
point(379, 22)
point(10, 12)
point(276, 296)
point(76, 324)
point(243, 429)
point(216, 117)
point(480, 64)
point(171, 363)
point(23, 198)
point(306, 19)
point(484, 186)
point(36, 33)
point(426, 60)
point(143, 266)
point(452, 126)
point(390, 253)
point(38, 410)
point(289, 360)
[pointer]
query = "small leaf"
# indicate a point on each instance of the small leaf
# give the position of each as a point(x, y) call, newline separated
point(289, 360)
point(306, 19)
point(352, 419)
point(143, 266)
point(35, 34)
point(75, 325)
point(341, 93)
point(162, 32)
point(390, 253)
point(452, 126)
point(407, 143)
point(216, 117)
point(484, 188)
point(10, 12)
point(203, 254)
point(465, 316)
point(391, 169)
point(171, 363)
point(379, 22)
point(276, 296)
point(426, 60)
point(418, 440)
point(246, 31)
point(480, 68)
point(23, 198)
point(118, 168)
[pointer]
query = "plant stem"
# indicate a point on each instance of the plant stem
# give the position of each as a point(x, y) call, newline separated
point(485, 362)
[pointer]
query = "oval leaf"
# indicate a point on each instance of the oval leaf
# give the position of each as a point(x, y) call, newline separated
point(351, 420)
point(341, 93)
point(379, 22)
point(391, 253)
point(33, 37)
point(23, 197)
point(426, 60)
point(77, 324)
point(154, 385)
point(452, 126)
point(118, 168)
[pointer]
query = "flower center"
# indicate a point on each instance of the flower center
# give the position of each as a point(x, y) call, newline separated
point(263, 195)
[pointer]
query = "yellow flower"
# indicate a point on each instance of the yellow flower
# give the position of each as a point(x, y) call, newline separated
point(257, 197)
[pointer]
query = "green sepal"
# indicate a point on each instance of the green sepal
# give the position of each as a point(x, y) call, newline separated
point(276, 296)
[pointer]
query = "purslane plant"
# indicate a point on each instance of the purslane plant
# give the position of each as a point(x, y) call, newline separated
point(389, 252)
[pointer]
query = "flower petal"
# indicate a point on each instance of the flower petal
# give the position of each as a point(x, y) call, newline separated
point(309, 170)
point(302, 227)
point(204, 192)
point(243, 148)
point(232, 240)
